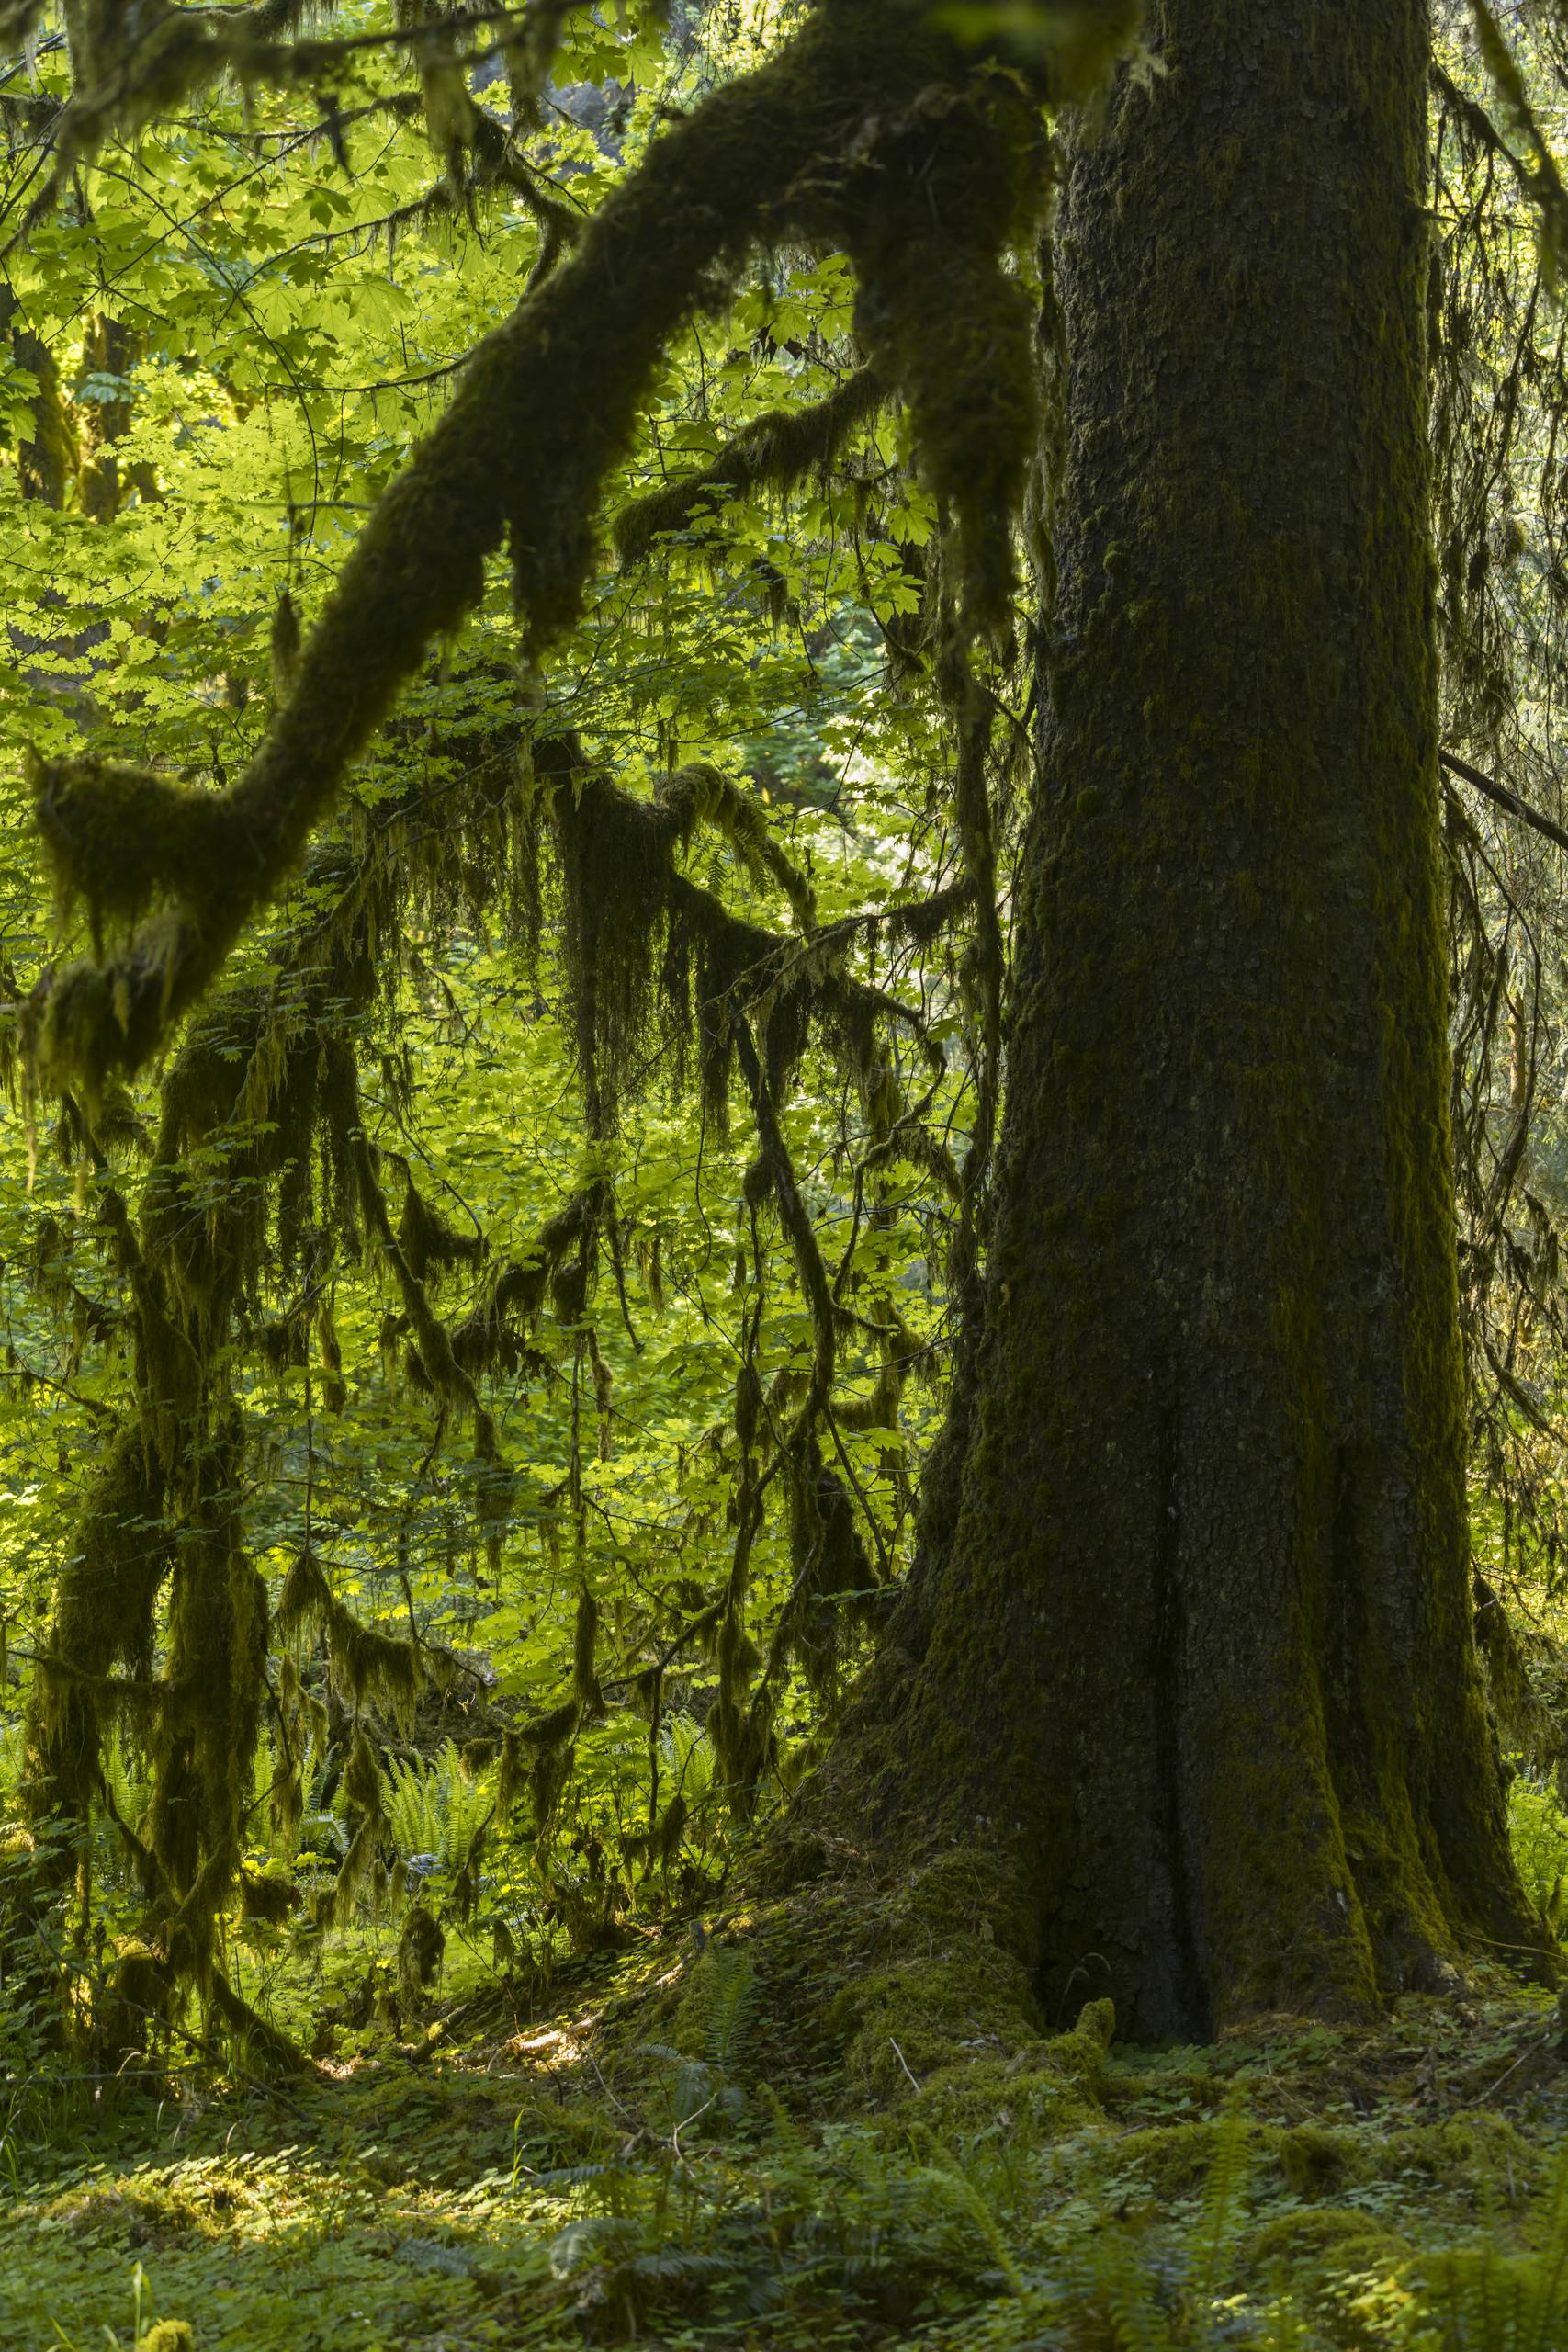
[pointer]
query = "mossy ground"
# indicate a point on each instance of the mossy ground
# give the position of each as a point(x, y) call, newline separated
point(712, 2140)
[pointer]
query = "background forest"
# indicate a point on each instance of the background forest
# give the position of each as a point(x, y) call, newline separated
point(540, 1255)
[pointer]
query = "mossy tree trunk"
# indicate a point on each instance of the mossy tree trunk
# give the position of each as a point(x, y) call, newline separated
point(1190, 1645)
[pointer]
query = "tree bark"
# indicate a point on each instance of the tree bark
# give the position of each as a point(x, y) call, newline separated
point(1190, 1645)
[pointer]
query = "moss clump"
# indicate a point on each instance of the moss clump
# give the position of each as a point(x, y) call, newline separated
point(120, 837)
point(987, 2097)
point(1477, 2147)
point(1174, 2158)
point(267, 1896)
point(1332, 2237)
point(1081, 2054)
point(904, 2023)
point(1313, 2158)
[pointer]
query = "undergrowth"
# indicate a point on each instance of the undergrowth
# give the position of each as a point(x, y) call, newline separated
point(833, 2119)
point(685, 2144)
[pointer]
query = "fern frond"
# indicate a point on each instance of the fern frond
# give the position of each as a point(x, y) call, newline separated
point(1224, 2212)
point(730, 1981)
point(1125, 2290)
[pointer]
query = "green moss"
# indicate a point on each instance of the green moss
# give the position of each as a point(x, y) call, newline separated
point(984, 2098)
point(366, 1665)
point(1325, 2256)
point(904, 2023)
point(1477, 2149)
point(1081, 2054)
point(1320, 2235)
point(966, 2001)
point(120, 837)
point(1313, 2158)
point(1174, 2158)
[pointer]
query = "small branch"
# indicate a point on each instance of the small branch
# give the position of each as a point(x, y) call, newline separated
point(1502, 797)
point(904, 2063)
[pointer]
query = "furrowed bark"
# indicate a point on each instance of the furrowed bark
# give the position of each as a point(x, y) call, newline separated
point(1191, 1648)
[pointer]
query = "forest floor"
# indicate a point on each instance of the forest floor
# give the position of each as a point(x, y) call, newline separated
point(831, 2121)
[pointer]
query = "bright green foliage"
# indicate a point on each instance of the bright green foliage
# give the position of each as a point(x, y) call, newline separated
point(1539, 1831)
point(475, 1354)
point(435, 1808)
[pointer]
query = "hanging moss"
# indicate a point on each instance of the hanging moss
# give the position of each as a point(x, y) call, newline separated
point(700, 794)
point(585, 1680)
point(775, 451)
point(214, 1683)
point(360, 1872)
point(431, 1245)
point(267, 1896)
point(944, 189)
point(637, 933)
point(103, 1617)
point(832, 1568)
point(552, 1730)
point(421, 1946)
point(512, 1777)
point(368, 1667)
point(664, 1846)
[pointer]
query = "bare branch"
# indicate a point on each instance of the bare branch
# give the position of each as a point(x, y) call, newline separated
point(1503, 797)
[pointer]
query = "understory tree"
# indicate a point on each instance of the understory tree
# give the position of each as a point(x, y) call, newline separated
point(1129, 433)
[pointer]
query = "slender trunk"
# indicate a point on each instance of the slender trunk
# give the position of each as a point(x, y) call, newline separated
point(47, 460)
point(1193, 1647)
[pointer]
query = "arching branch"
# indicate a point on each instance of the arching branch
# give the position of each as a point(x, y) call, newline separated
point(546, 406)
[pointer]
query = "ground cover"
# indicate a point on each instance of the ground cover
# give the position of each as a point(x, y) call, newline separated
point(834, 2119)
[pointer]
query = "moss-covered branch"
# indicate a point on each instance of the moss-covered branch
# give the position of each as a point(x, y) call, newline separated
point(771, 453)
point(639, 930)
point(833, 136)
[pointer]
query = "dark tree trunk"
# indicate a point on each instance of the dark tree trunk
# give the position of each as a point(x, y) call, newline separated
point(1190, 1644)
